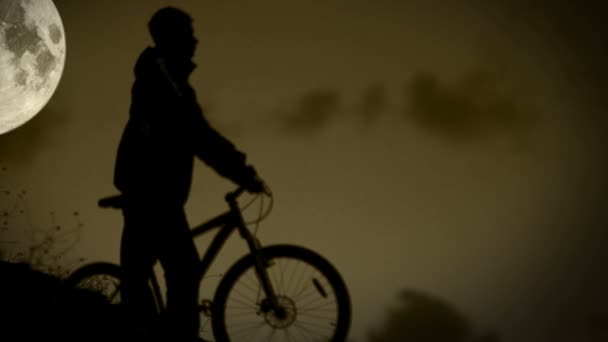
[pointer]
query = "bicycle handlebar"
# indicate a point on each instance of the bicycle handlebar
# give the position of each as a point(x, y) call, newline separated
point(231, 196)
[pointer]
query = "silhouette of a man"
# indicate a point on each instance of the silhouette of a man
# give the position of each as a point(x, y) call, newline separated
point(166, 130)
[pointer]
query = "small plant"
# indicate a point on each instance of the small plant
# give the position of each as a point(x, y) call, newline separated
point(42, 248)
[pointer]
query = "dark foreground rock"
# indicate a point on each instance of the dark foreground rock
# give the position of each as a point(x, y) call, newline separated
point(37, 306)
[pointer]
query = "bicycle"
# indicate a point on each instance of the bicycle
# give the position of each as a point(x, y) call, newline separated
point(277, 291)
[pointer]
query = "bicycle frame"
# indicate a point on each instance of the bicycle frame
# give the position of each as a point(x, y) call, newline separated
point(227, 223)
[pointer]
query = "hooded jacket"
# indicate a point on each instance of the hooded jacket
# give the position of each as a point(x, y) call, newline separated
point(165, 132)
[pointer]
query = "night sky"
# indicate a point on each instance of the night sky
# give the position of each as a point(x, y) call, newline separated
point(457, 150)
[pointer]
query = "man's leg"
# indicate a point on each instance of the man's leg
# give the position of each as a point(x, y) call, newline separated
point(180, 262)
point(137, 259)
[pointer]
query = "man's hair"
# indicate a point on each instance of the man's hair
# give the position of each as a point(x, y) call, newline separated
point(167, 22)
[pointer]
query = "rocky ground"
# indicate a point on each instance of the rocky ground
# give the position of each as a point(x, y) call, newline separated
point(36, 306)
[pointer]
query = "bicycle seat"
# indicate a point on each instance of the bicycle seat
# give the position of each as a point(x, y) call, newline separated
point(115, 202)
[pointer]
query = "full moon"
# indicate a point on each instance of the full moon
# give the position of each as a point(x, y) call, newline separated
point(32, 56)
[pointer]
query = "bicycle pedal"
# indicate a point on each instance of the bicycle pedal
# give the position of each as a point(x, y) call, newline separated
point(205, 307)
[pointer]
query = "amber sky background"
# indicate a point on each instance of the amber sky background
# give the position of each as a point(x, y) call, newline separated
point(456, 148)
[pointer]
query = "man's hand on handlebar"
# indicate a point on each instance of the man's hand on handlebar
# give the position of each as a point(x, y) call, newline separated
point(253, 183)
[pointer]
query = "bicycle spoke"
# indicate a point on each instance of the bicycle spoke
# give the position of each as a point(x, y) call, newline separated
point(287, 335)
point(250, 287)
point(320, 317)
point(257, 327)
point(240, 312)
point(242, 295)
point(314, 324)
point(291, 276)
point(271, 334)
point(300, 283)
point(314, 301)
point(244, 304)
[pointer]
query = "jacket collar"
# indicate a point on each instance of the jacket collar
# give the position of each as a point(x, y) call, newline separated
point(179, 69)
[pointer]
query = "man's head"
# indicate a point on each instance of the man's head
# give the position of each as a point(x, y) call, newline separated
point(172, 32)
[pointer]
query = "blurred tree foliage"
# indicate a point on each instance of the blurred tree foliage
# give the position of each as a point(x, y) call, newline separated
point(423, 318)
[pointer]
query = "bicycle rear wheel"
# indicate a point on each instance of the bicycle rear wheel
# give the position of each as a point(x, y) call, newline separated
point(311, 293)
point(101, 277)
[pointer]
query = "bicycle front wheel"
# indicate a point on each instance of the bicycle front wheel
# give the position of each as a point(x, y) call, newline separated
point(312, 296)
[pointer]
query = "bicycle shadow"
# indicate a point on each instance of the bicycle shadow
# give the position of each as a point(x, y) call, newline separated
point(37, 306)
point(424, 318)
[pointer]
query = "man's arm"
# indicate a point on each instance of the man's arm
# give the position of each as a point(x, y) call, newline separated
point(221, 154)
point(209, 145)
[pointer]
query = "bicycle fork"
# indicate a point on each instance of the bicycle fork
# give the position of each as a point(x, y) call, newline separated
point(271, 302)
